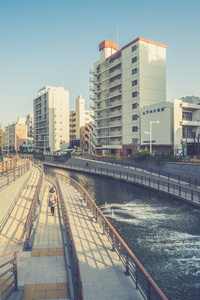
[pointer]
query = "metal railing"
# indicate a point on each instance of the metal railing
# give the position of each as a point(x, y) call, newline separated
point(8, 276)
point(73, 257)
point(131, 164)
point(32, 210)
point(144, 283)
point(179, 190)
point(11, 169)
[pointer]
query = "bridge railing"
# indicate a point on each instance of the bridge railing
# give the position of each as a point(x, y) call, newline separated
point(73, 257)
point(144, 283)
point(8, 275)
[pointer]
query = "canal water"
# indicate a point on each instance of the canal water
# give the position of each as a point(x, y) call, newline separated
point(162, 232)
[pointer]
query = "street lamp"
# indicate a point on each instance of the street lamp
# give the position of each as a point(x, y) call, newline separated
point(150, 133)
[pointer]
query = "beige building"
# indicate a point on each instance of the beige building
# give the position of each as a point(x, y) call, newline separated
point(77, 119)
point(86, 138)
point(15, 135)
point(124, 81)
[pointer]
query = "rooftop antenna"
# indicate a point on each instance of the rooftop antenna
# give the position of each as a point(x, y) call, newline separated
point(117, 35)
point(63, 82)
point(109, 36)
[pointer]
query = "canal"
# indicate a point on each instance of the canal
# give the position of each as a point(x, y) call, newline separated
point(163, 232)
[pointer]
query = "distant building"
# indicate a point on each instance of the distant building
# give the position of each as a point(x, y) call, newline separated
point(124, 81)
point(78, 118)
point(51, 119)
point(15, 135)
point(30, 125)
point(86, 138)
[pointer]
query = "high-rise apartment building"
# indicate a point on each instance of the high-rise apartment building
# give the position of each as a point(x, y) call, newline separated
point(124, 81)
point(78, 118)
point(51, 119)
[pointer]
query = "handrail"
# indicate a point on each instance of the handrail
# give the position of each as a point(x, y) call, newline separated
point(144, 283)
point(181, 191)
point(32, 210)
point(10, 170)
point(8, 285)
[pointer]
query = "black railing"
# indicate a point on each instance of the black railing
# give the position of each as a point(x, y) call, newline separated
point(8, 275)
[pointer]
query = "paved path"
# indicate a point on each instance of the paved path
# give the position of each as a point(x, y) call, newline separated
point(42, 271)
point(101, 271)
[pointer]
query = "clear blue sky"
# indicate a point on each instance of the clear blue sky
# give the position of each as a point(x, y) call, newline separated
point(51, 42)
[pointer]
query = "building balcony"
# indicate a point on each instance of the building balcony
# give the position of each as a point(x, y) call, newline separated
point(109, 124)
point(109, 66)
point(190, 123)
point(189, 106)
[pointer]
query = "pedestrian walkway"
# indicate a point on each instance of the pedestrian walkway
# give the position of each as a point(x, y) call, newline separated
point(102, 273)
point(44, 269)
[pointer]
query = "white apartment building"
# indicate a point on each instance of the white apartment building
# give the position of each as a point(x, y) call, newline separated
point(178, 129)
point(78, 118)
point(51, 119)
point(124, 81)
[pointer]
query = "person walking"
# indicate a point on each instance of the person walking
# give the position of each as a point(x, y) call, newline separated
point(52, 200)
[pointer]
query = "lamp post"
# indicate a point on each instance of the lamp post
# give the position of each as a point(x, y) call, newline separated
point(150, 133)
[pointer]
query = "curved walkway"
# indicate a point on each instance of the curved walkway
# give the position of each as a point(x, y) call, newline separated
point(101, 271)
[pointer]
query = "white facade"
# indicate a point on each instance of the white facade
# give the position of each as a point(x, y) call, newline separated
point(178, 128)
point(157, 123)
point(78, 118)
point(51, 119)
point(124, 82)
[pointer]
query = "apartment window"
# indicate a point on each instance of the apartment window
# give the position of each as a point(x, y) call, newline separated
point(134, 82)
point(134, 71)
point(134, 141)
point(187, 116)
point(134, 105)
point(134, 117)
point(134, 129)
point(134, 48)
point(134, 94)
point(134, 59)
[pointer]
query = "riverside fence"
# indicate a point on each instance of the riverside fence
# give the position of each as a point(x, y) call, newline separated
point(8, 275)
point(180, 190)
point(143, 281)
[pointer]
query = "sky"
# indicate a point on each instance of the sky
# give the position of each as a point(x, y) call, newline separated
point(55, 43)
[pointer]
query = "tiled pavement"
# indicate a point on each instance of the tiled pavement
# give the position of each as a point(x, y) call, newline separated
point(101, 271)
